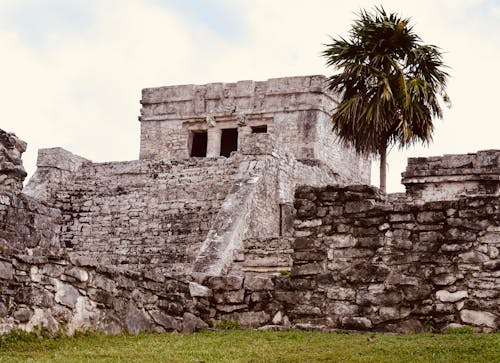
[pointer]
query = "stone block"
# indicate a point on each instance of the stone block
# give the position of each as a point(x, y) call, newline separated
point(398, 279)
point(480, 318)
point(197, 290)
point(83, 261)
point(6, 270)
point(308, 223)
point(401, 217)
point(230, 308)
point(66, 294)
point(341, 293)
point(446, 296)
point(430, 217)
point(257, 283)
point(230, 297)
point(356, 323)
point(308, 256)
point(359, 206)
point(405, 327)
point(3, 310)
point(444, 279)
point(103, 283)
point(473, 257)
point(23, 315)
point(78, 273)
point(137, 320)
point(371, 242)
point(340, 241)
point(225, 282)
point(341, 308)
point(384, 298)
point(308, 269)
point(304, 243)
point(249, 319)
point(169, 323)
point(492, 265)
point(456, 234)
point(301, 309)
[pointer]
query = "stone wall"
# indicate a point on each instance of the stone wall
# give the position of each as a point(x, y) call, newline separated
point(77, 294)
point(397, 266)
point(449, 176)
point(359, 261)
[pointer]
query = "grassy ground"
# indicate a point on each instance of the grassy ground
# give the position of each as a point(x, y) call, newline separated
point(253, 346)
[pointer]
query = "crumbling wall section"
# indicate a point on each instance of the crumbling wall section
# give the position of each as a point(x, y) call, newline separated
point(25, 223)
point(449, 176)
point(55, 168)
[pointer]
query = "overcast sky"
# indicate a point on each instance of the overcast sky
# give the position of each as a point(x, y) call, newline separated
point(71, 71)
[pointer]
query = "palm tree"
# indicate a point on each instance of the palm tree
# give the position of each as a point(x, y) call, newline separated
point(390, 85)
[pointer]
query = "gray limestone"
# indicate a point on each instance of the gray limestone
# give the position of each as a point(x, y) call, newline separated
point(279, 231)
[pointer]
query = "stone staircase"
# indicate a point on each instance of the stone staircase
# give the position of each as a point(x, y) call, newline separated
point(144, 214)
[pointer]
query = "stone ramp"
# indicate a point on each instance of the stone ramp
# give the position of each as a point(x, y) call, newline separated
point(143, 214)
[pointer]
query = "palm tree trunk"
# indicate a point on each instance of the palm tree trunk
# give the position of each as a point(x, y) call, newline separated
point(383, 167)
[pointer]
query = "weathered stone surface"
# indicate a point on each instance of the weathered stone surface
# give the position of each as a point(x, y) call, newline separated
point(474, 257)
point(255, 283)
point(356, 323)
point(481, 318)
point(447, 296)
point(5, 270)
point(103, 283)
point(197, 290)
point(137, 320)
point(307, 269)
point(42, 319)
point(79, 260)
point(23, 315)
point(406, 327)
point(492, 265)
point(250, 319)
point(225, 282)
point(444, 279)
point(341, 293)
point(78, 273)
point(191, 323)
point(169, 323)
point(230, 297)
point(3, 310)
point(66, 294)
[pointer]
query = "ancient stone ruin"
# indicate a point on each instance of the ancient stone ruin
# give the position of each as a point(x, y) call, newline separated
point(244, 207)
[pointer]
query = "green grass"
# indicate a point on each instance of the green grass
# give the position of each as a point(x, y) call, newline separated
point(253, 346)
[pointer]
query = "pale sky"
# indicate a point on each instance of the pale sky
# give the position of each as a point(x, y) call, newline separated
point(71, 71)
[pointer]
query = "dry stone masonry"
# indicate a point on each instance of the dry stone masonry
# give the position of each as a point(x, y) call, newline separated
point(243, 206)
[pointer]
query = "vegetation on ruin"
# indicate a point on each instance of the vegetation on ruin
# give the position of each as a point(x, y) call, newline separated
point(253, 346)
point(390, 83)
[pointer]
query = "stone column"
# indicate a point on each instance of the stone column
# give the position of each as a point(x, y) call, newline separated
point(213, 142)
point(243, 132)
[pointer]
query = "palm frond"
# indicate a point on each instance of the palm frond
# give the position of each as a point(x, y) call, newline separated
point(391, 84)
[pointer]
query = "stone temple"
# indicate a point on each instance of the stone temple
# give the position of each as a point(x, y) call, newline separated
point(243, 206)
